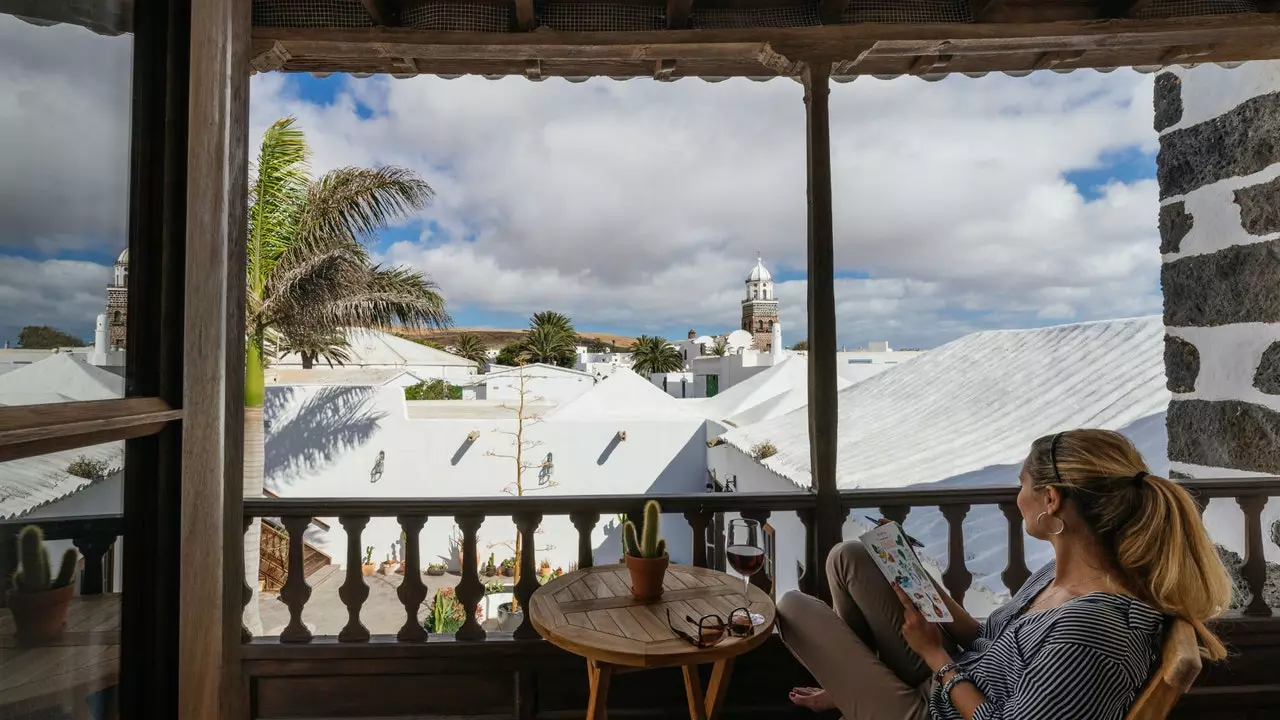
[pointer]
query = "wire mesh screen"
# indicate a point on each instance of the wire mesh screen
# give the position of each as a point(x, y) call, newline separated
point(714, 18)
point(468, 17)
point(591, 17)
point(1183, 8)
point(907, 11)
point(310, 14)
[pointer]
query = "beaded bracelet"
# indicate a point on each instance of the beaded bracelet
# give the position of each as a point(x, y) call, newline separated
point(957, 678)
point(937, 677)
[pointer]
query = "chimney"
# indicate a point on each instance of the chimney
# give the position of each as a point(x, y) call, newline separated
point(693, 335)
point(99, 355)
point(776, 341)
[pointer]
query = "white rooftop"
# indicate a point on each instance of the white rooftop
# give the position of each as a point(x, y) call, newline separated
point(767, 394)
point(325, 375)
point(378, 348)
point(623, 395)
point(58, 378)
point(948, 412)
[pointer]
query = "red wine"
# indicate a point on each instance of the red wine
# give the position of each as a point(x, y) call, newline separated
point(745, 559)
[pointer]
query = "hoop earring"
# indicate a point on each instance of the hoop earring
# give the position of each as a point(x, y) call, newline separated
point(1062, 524)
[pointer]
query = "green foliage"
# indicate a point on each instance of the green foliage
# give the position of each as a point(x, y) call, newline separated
point(549, 344)
point(311, 344)
point(445, 614)
point(652, 354)
point(43, 337)
point(494, 588)
point(368, 555)
point(309, 271)
point(596, 345)
point(802, 345)
point(645, 544)
point(428, 343)
point(763, 449)
point(89, 469)
point(509, 355)
point(433, 390)
point(33, 573)
point(721, 348)
point(471, 347)
point(508, 564)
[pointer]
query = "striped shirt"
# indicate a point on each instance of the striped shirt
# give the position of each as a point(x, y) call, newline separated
point(1086, 659)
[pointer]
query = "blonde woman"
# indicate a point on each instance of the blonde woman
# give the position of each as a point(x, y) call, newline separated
point(1077, 642)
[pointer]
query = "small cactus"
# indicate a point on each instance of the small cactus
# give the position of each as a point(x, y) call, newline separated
point(33, 575)
point(646, 544)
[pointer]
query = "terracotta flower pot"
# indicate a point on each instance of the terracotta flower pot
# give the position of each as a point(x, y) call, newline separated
point(39, 618)
point(367, 569)
point(646, 576)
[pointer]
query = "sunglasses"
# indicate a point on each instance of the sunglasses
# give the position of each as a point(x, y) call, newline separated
point(713, 628)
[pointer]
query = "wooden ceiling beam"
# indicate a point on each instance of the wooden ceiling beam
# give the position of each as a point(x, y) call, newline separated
point(1121, 8)
point(526, 21)
point(830, 11)
point(678, 12)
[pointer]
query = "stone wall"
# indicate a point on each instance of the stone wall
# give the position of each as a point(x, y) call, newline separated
point(1219, 175)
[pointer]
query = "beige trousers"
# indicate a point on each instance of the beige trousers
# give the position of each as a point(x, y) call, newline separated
point(856, 652)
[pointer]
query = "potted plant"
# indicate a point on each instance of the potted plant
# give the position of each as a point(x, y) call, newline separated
point(490, 589)
point(490, 570)
point(444, 614)
point(544, 569)
point(509, 567)
point(646, 554)
point(436, 569)
point(38, 600)
point(368, 567)
point(508, 619)
point(403, 540)
point(388, 566)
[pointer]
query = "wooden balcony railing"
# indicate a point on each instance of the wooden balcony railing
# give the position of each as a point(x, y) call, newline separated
point(93, 535)
point(699, 510)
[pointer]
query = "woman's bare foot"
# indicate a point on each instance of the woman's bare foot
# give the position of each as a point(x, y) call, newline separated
point(816, 699)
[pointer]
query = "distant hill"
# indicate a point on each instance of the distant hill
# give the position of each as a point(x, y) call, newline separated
point(499, 338)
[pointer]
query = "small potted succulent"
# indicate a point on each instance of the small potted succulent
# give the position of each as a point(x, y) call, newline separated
point(37, 599)
point(646, 554)
point(544, 569)
point(436, 569)
point(490, 569)
point(509, 567)
point(403, 541)
point(388, 566)
point(368, 567)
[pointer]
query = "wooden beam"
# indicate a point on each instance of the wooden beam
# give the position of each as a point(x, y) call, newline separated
point(27, 431)
point(1050, 60)
point(664, 70)
point(382, 12)
point(823, 387)
point(830, 11)
point(272, 58)
point(526, 21)
point(928, 64)
point(678, 12)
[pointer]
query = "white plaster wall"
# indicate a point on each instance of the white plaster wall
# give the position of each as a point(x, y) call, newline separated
point(1218, 89)
point(678, 385)
point(1229, 358)
point(552, 387)
point(325, 441)
point(1217, 216)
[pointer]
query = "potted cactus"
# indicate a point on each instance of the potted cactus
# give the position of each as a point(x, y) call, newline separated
point(544, 569)
point(38, 599)
point(368, 567)
point(490, 569)
point(388, 566)
point(646, 554)
point(436, 569)
point(509, 567)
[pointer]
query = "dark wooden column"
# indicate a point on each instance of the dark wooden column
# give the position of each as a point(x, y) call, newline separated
point(828, 519)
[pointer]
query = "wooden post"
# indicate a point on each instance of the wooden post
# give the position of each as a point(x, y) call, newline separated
point(823, 407)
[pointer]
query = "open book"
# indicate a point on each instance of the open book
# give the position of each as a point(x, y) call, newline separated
point(898, 561)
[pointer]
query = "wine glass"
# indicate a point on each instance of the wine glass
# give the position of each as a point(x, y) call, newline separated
point(746, 555)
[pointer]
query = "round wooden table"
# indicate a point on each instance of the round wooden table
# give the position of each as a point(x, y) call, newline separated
point(592, 613)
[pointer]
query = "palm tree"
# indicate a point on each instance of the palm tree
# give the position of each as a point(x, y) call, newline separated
point(325, 344)
point(471, 347)
point(596, 345)
point(721, 348)
point(310, 274)
point(651, 354)
point(547, 344)
point(551, 318)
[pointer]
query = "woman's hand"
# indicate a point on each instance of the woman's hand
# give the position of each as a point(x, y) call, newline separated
point(922, 636)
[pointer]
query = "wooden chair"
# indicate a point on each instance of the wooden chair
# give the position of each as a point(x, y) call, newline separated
point(1179, 667)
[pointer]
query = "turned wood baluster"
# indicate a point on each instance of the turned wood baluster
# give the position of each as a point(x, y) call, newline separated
point(761, 579)
point(896, 513)
point(412, 590)
point(354, 590)
point(527, 523)
point(1254, 569)
point(296, 591)
point(956, 577)
point(698, 521)
point(92, 546)
point(585, 522)
point(470, 590)
point(246, 592)
point(1015, 572)
point(805, 581)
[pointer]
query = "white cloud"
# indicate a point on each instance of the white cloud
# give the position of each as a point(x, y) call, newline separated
point(640, 204)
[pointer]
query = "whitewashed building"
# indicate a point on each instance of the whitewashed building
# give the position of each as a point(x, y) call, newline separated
point(547, 383)
point(375, 349)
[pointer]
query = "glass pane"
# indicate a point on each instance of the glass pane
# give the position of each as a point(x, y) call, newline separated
point(65, 93)
point(65, 86)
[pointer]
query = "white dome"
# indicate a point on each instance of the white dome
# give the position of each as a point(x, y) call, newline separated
point(758, 273)
point(124, 257)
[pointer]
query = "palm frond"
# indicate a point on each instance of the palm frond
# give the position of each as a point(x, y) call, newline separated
point(353, 203)
point(471, 347)
point(655, 355)
point(278, 184)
